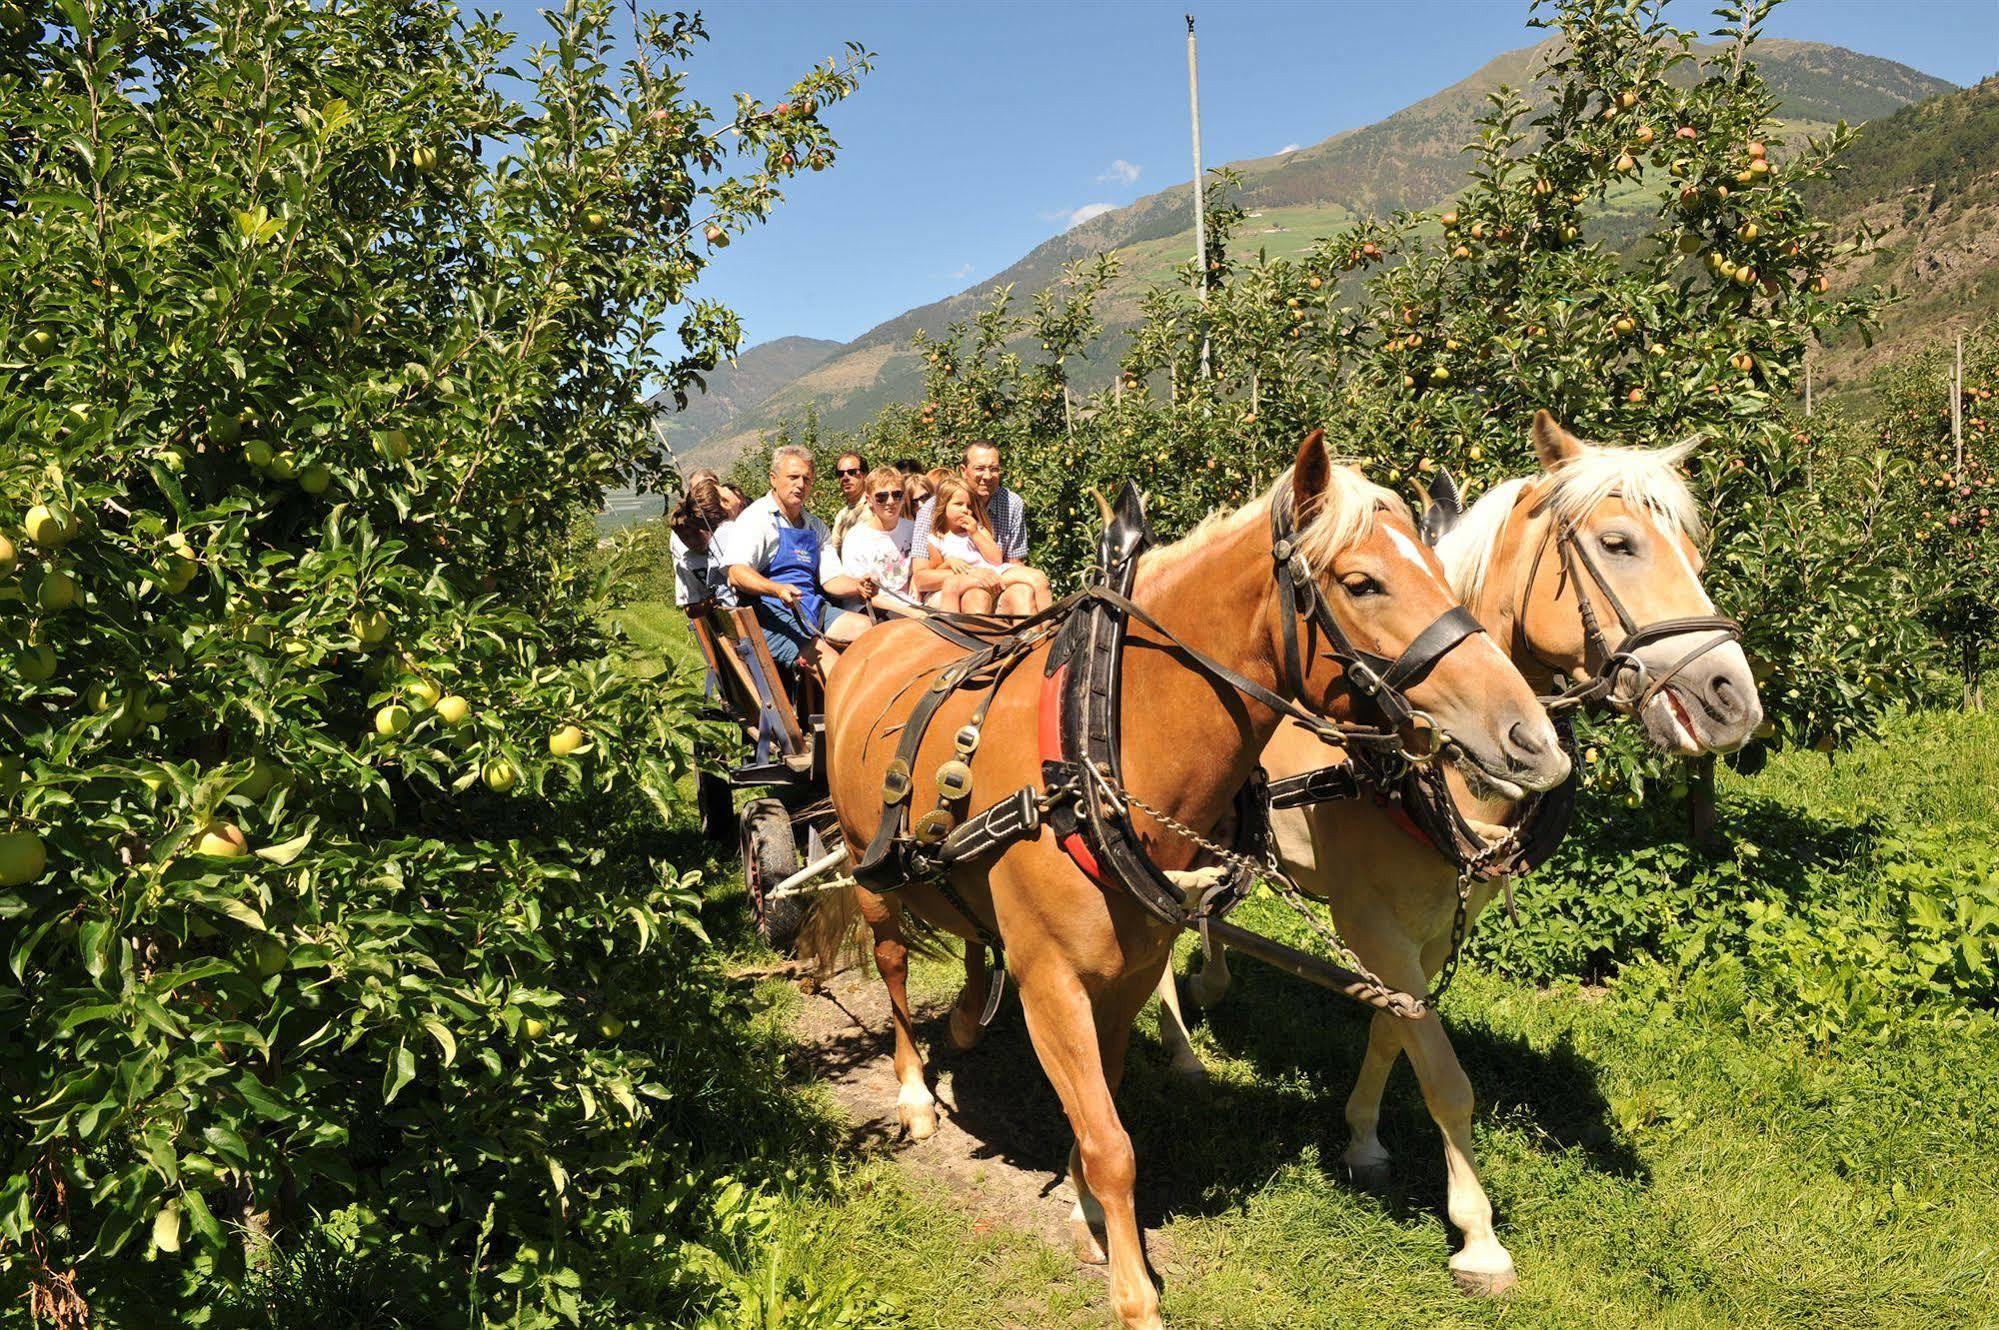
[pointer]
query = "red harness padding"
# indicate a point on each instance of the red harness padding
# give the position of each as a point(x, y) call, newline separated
point(1050, 729)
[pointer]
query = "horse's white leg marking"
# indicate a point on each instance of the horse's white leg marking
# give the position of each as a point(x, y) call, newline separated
point(915, 1107)
point(1365, 1156)
point(1173, 1029)
point(1482, 1265)
point(1210, 984)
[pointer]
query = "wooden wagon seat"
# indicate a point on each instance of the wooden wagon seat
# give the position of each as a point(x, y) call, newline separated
point(750, 680)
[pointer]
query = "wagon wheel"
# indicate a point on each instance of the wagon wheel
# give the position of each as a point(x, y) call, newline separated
point(716, 804)
point(770, 855)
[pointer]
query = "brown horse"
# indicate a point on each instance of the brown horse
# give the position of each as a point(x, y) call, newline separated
point(1393, 896)
point(1085, 956)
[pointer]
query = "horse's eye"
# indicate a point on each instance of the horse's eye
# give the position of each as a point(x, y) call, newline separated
point(1615, 542)
point(1358, 585)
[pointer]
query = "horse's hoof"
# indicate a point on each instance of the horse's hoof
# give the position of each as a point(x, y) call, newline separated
point(1486, 1283)
point(1089, 1248)
point(917, 1116)
point(1371, 1175)
point(965, 1031)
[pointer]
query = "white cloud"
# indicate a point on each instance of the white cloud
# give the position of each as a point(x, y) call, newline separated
point(1120, 172)
point(1072, 220)
point(960, 272)
point(1289, 147)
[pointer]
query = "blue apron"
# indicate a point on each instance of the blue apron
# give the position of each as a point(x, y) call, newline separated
point(795, 562)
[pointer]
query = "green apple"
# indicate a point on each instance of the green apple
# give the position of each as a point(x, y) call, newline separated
point(59, 591)
point(9, 556)
point(36, 662)
point(50, 525)
point(272, 956)
point(392, 720)
point(500, 775)
point(23, 858)
point(315, 479)
point(423, 694)
point(565, 741)
point(453, 709)
point(371, 627)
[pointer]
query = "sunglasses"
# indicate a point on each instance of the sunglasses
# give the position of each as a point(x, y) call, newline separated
point(887, 496)
point(847, 472)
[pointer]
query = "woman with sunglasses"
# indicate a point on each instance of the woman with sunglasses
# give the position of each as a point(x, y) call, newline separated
point(877, 544)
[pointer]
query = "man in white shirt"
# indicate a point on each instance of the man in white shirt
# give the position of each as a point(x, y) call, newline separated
point(780, 560)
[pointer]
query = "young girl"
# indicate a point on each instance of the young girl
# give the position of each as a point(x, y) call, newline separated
point(966, 569)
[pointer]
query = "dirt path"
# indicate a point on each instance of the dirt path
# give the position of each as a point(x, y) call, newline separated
point(1001, 1149)
point(998, 1155)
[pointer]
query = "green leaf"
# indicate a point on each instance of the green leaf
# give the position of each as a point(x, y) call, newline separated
point(401, 1071)
point(445, 1042)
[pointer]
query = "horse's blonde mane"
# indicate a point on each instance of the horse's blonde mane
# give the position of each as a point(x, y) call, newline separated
point(1346, 515)
point(1646, 478)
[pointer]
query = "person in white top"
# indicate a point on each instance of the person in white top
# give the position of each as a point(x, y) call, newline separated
point(877, 544)
point(780, 558)
point(965, 569)
point(697, 524)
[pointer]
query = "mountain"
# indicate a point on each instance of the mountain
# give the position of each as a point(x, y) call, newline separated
point(735, 388)
point(1411, 159)
point(1926, 181)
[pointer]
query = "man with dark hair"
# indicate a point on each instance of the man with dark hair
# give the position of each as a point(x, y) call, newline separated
point(851, 474)
point(1003, 513)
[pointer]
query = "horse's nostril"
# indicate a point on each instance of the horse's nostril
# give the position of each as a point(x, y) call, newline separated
point(1727, 697)
point(1525, 741)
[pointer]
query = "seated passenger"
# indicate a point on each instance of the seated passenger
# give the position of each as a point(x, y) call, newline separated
point(966, 569)
point(877, 544)
point(698, 523)
point(781, 558)
point(1000, 511)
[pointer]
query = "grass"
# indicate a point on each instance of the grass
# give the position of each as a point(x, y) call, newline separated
point(1655, 1160)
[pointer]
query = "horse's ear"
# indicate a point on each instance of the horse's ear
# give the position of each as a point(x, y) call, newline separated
point(1310, 475)
point(1443, 505)
point(1552, 443)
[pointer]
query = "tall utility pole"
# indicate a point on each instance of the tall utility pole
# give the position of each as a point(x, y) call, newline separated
point(1200, 201)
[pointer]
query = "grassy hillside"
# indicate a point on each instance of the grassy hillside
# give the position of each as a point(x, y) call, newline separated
point(1411, 159)
point(736, 388)
point(1926, 179)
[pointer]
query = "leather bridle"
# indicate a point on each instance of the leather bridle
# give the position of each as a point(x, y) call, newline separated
point(1617, 677)
point(1379, 680)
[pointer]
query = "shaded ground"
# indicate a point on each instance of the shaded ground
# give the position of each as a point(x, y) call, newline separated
point(1001, 1158)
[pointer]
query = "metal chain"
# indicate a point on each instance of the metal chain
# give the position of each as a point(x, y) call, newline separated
point(1270, 871)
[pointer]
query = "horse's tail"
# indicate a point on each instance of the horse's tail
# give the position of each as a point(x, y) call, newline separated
point(835, 935)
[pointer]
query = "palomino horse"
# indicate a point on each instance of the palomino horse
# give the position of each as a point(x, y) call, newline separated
point(1394, 897)
point(1086, 955)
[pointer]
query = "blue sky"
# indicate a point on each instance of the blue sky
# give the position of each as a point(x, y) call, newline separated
point(987, 126)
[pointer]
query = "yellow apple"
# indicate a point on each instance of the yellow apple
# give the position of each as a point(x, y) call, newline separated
point(565, 741)
point(392, 720)
point(222, 840)
point(453, 709)
point(500, 775)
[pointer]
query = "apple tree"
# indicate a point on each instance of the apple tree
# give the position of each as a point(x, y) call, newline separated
point(331, 869)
